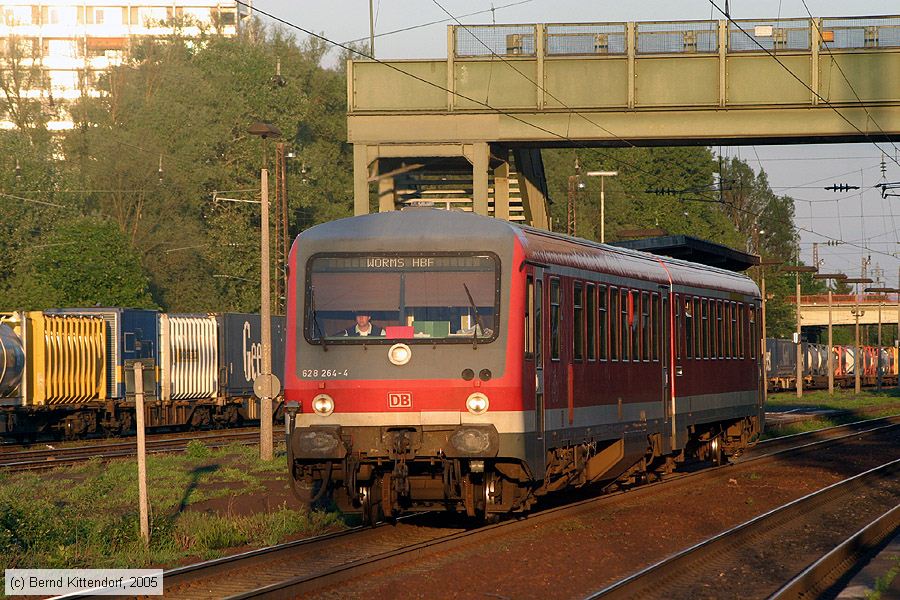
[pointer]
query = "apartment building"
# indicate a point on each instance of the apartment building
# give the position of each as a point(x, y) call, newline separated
point(73, 42)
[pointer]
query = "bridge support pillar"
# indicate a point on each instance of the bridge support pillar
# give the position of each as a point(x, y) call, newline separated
point(360, 180)
point(480, 162)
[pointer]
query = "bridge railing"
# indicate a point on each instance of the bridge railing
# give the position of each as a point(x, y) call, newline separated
point(675, 37)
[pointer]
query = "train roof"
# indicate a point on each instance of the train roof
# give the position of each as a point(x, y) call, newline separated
point(439, 229)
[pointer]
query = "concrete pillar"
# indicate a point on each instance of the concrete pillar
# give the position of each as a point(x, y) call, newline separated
point(387, 194)
point(501, 191)
point(480, 159)
point(360, 180)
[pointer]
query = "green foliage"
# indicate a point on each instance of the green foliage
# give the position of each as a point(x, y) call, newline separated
point(156, 152)
point(80, 262)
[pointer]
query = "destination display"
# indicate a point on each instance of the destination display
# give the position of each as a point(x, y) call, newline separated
point(403, 263)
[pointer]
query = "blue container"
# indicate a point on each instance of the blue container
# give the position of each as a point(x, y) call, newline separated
point(131, 333)
point(240, 352)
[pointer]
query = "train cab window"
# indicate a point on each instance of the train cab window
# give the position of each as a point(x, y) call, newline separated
point(626, 299)
point(578, 321)
point(602, 323)
point(529, 317)
point(555, 319)
point(688, 329)
point(614, 346)
point(655, 328)
point(420, 298)
point(645, 326)
point(591, 313)
point(705, 325)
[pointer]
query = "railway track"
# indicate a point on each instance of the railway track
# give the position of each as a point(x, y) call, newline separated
point(327, 563)
point(50, 457)
point(761, 552)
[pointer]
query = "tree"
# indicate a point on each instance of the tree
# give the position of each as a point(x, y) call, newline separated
point(82, 262)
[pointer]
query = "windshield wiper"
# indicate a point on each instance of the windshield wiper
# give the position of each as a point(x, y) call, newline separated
point(477, 317)
point(317, 330)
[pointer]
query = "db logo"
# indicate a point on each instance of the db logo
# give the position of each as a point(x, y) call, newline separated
point(399, 400)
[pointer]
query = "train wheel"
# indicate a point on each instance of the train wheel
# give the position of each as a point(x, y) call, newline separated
point(715, 452)
point(371, 505)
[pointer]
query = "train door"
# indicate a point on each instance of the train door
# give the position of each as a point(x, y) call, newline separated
point(666, 330)
point(537, 301)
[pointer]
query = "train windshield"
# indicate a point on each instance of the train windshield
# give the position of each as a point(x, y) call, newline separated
point(381, 298)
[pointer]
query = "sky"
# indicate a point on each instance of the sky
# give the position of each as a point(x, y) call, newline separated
point(862, 219)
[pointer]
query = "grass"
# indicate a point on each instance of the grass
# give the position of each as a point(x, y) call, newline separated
point(883, 584)
point(869, 404)
point(86, 515)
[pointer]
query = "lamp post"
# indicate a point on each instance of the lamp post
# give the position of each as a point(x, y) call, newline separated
point(266, 386)
point(602, 175)
point(856, 313)
point(797, 270)
point(833, 276)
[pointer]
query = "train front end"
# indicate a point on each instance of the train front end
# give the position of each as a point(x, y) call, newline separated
point(402, 387)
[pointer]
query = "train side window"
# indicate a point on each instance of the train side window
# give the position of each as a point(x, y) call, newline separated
point(688, 328)
point(734, 330)
point(705, 326)
point(742, 323)
point(539, 322)
point(627, 335)
point(754, 339)
point(678, 323)
point(555, 319)
point(634, 322)
point(529, 320)
point(723, 329)
point(591, 313)
point(655, 329)
point(578, 321)
point(614, 347)
point(645, 326)
point(603, 329)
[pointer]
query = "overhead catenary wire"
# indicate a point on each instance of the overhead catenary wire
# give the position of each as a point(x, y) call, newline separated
point(803, 83)
point(846, 79)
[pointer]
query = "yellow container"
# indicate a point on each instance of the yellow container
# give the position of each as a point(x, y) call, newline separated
point(66, 358)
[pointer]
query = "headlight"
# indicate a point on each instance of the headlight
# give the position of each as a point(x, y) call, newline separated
point(477, 403)
point(323, 405)
point(399, 354)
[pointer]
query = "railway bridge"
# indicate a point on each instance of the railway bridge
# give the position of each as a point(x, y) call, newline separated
point(466, 131)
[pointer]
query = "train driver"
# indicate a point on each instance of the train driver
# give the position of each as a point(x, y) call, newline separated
point(364, 326)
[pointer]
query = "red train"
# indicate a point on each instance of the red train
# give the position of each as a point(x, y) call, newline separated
point(438, 359)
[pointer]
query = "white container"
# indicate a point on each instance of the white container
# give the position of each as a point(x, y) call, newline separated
point(188, 348)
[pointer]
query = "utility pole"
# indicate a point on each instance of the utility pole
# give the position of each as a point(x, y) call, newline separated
point(266, 386)
point(371, 30)
point(575, 184)
point(799, 372)
point(143, 498)
point(831, 276)
point(602, 175)
point(856, 314)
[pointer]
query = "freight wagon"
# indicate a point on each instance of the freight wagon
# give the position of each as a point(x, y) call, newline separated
point(781, 365)
point(62, 371)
